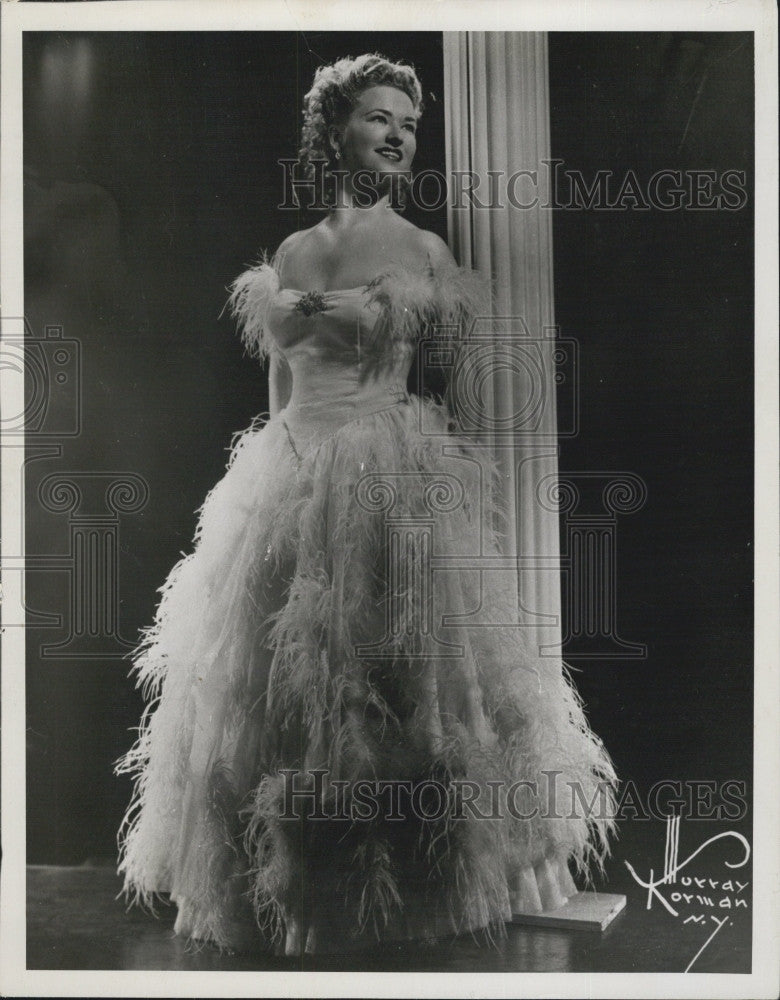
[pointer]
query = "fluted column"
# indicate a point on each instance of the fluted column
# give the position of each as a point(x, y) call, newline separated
point(497, 124)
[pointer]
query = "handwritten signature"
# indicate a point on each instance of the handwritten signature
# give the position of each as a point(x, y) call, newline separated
point(672, 867)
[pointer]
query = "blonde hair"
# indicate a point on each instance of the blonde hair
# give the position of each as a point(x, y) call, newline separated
point(334, 92)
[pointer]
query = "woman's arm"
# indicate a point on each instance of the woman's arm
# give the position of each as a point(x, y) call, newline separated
point(279, 374)
point(463, 295)
point(279, 383)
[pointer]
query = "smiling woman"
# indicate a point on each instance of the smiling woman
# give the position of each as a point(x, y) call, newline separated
point(308, 634)
point(379, 134)
point(351, 92)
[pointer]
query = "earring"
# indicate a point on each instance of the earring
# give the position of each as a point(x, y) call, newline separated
point(337, 154)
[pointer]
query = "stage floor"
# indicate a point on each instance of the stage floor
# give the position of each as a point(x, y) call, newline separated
point(75, 921)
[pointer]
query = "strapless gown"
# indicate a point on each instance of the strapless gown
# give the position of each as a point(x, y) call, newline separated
point(329, 677)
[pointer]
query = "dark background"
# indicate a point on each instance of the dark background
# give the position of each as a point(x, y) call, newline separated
point(151, 180)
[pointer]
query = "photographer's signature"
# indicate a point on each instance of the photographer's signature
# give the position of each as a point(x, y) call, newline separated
point(698, 893)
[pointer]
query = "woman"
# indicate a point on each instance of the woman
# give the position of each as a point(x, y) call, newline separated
point(320, 645)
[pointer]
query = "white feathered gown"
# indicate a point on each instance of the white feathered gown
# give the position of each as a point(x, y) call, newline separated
point(314, 544)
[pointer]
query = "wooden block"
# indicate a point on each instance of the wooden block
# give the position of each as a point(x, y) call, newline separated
point(586, 911)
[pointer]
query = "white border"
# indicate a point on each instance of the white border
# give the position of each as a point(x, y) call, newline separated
point(339, 15)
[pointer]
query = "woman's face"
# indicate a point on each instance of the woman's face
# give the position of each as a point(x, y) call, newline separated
point(379, 134)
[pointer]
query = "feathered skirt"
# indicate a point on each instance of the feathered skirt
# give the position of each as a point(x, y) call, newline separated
point(349, 737)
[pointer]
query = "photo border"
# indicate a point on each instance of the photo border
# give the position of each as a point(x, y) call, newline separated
point(291, 15)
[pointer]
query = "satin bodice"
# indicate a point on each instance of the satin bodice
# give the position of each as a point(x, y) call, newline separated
point(343, 358)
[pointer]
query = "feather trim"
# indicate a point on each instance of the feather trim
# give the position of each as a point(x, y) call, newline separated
point(461, 296)
point(251, 295)
point(414, 301)
point(445, 300)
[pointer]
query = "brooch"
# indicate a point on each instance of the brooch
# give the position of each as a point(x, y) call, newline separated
point(311, 303)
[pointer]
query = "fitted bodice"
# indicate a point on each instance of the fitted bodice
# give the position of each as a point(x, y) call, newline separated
point(350, 350)
point(343, 358)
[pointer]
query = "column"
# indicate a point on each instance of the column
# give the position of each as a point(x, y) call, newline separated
point(497, 128)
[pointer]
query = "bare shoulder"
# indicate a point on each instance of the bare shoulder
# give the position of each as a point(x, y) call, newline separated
point(422, 243)
point(292, 243)
point(435, 249)
point(294, 253)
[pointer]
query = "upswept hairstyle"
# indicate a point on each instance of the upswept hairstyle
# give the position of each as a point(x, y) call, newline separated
point(334, 93)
